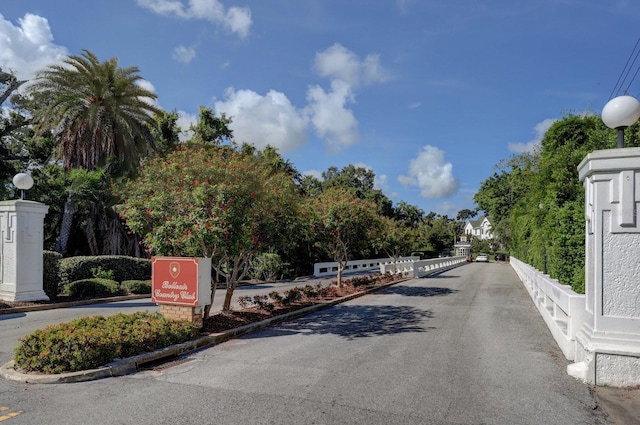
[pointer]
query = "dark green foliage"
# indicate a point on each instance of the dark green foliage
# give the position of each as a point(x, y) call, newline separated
point(91, 342)
point(123, 267)
point(92, 288)
point(136, 286)
point(536, 202)
point(51, 273)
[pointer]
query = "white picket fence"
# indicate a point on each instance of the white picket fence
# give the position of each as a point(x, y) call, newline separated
point(562, 309)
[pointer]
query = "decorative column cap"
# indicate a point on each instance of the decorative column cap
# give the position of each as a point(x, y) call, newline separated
point(609, 160)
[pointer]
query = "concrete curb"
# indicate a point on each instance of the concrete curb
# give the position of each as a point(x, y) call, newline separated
point(52, 306)
point(130, 365)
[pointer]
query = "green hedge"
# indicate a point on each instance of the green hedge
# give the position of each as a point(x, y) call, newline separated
point(51, 273)
point(91, 288)
point(136, 286)
point(123, 267)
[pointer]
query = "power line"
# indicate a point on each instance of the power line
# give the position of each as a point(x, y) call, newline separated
point(621, 80)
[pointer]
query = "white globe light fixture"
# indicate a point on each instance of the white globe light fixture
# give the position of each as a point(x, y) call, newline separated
point(23, 181)
point(620, 113)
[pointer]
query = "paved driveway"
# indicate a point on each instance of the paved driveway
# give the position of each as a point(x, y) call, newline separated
point(467, 347)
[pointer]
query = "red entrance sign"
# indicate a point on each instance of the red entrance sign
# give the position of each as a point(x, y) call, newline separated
point(174, 280)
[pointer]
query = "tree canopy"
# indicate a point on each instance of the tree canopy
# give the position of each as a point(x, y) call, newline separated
point(536, 201)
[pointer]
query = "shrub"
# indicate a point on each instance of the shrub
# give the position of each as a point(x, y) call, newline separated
point(51, 273)
point(310, 292)
point(91, 342)
point(89, 288)
point(291, 296)
point(262, 302)
point(100, 273)
point(244, 301)
point(136, 286)
point(123, 268)
point(276, 297)
point(267, 266)
point(360, 281)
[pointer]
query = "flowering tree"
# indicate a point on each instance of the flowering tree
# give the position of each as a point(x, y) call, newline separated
point(214, 202)
point(342, 224)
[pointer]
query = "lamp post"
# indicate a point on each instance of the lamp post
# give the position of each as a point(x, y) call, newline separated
point(620, 113)
point(23, 181)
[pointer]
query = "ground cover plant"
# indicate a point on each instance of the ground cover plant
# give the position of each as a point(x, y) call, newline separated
point(90, 342)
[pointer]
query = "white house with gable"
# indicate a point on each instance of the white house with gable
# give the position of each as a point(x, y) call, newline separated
point(480, 228)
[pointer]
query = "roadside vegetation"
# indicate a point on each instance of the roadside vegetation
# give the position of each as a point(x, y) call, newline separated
point(536, 202)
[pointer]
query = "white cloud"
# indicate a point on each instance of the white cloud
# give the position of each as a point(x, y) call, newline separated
point(264, 120)
point(185, 120)
point(338, 62)
point(540, 129)
point(28, 47)
point(184, 54)
point(313, 173)
point(381, 182)
point(431, 174)
point(331, 120)
point(236, 19)
point(447, 208)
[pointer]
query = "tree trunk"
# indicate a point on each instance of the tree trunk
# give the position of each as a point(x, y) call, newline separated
point(65, 227)
point(227, 298)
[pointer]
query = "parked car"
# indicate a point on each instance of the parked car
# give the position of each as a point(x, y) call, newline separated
point(501, 257)
point(482, 258)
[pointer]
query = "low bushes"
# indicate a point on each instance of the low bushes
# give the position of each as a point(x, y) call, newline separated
point(91, 342)
point(93, 288)
point(122, 267)
point(310, 293)
point(138, 287)
point(101, 287)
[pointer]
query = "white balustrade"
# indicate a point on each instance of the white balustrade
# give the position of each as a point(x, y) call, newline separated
point(562, 309)
point(331, 268)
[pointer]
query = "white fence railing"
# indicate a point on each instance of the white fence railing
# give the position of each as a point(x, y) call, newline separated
point(562, 309)
point(331, 268)
point(421, 268)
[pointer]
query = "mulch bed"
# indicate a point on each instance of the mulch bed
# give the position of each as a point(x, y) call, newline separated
point(225, 321)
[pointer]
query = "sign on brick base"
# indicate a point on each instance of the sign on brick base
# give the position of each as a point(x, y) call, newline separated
point(181, 286)
point(181, 312)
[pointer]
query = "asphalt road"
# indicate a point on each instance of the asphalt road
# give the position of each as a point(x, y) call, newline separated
point(467, 347)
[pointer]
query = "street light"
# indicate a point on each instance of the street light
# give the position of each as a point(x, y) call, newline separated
point(620, 113)
point(23, 181)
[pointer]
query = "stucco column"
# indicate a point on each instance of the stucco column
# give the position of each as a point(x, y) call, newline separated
point(608, 344)
point(21, 244)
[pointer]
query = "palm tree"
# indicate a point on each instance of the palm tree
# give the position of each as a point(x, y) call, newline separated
point(98, 114)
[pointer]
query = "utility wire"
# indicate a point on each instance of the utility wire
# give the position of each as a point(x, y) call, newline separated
point(616, 89)
point(628, 70)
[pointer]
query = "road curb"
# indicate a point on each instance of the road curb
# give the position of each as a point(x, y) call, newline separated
point(53, 306)
point(130, 365)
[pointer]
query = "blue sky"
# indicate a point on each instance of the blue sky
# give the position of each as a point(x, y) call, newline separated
point(429, 94)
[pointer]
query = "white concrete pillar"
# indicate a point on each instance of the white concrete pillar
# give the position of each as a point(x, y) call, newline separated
point(608, 343)
point(21, 246)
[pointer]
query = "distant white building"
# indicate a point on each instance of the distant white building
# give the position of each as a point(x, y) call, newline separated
point(480, 228)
